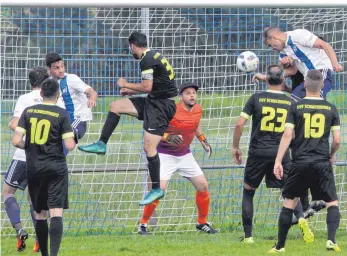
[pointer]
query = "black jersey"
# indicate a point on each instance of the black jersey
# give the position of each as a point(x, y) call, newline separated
point(297, 79)
point(312, 120)
point(156, 67)
point(269, 111)
point(45, 126)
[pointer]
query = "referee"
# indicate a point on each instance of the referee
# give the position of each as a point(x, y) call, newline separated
point(46, 127)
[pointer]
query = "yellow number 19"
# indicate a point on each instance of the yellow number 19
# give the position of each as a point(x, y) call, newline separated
point(39, 131)
point(314, 125)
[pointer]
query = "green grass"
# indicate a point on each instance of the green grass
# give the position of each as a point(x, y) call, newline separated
point(184, 244)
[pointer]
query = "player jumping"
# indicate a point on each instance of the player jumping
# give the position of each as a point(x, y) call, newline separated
point(156, 110)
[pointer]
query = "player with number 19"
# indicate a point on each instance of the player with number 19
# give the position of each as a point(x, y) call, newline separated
point(269, 110)
point(156, 110)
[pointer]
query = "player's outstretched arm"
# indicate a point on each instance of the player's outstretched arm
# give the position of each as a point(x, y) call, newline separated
point(145, 86)
point(319, 43)
point(237, 154)
point(335, 144)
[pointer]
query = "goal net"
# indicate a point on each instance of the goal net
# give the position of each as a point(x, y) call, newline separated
point(202, 45)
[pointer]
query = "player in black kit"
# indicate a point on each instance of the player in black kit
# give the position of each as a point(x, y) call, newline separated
point(46, 127)
point(156, 110)
point(269, 110)
point(311, 119)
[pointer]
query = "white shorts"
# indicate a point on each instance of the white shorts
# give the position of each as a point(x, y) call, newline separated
point(185, 165)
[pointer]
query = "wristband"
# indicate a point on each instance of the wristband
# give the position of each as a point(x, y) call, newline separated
point(201, 137)
point(165, 136)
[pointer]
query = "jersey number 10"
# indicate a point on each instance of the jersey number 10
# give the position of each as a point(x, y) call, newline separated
point(272, 116)
point(39, 131)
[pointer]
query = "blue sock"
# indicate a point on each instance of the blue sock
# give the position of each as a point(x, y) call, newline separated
point(13, 211)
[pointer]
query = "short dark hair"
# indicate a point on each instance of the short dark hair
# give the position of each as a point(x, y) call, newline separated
point(49, 88)
point(37, 76)
point(275, 75)
point(138, 39)
point(267, 32)
point(51, 58)
point(314, 80)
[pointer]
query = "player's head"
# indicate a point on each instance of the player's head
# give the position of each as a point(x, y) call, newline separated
point(188, 94)
point(50, 89)
point(137, 44)
point(274, 38)
point(275, 75)
point(314, 81)
point(37, 76)
point(55, 64)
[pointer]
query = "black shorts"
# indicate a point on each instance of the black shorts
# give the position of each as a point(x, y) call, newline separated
point(16, 175)
point(49, 192)
point(318, 177)
point(156, 114)
point(257, 168)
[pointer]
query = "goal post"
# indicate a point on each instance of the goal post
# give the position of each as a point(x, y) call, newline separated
point(202, 44)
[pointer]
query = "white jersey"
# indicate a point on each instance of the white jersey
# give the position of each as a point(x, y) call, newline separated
point(299, 47)
point(24, 101)
point(72, 90)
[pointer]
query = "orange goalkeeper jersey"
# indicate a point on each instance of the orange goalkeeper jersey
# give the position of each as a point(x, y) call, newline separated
point(183, 123)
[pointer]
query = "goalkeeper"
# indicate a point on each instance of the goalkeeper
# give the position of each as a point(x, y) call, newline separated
point(175, 155)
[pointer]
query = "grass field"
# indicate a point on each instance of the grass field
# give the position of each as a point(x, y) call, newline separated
point(191, 244)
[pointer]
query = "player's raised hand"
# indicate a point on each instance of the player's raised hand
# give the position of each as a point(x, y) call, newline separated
point(286, 61)
point(124, 92)
point(121, 82)
point(237, 154)
point(258, 77)
point(278, 170)
point(337, 67)
point(174, 139)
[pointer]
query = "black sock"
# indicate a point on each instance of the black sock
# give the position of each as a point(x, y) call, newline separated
point(333, 222)
point(247, 211)
point(284, 223)
point(56, 233)
point(41, 229)
point(111, 123)
point(298, 212)
point(305, 202)
point(154, 170)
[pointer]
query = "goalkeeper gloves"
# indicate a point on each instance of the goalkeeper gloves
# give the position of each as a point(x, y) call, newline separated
point(172, 139)
point(205, 145)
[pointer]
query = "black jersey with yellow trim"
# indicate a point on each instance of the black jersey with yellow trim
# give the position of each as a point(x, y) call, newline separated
point(269, 111)
point(312, 119)
point(45, 127)
point(154, 66)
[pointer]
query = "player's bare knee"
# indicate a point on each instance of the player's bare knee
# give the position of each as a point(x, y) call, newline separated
point(248, 187)
point(333, 203)
point(7, 190)
point(43, 215)
point(116, 107)
point(149, 148)
point(56, 212)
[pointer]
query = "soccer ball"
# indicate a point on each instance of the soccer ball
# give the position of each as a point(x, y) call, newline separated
point(247, 61)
